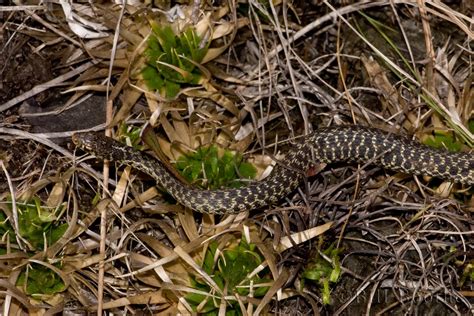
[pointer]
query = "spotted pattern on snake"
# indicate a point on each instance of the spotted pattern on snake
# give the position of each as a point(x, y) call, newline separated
point(329, 145)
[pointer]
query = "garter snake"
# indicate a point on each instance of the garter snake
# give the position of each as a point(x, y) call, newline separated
point(328, 145)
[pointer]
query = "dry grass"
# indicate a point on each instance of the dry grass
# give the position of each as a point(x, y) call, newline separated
point(272, 73)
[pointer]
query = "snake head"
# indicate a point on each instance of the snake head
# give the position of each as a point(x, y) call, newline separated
point(95, 143)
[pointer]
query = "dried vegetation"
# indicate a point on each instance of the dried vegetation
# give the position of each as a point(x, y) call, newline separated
point(249, 76)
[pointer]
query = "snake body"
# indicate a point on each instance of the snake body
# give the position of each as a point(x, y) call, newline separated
point(328, 145)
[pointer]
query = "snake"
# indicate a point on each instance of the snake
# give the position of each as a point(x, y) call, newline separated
point(351, 144)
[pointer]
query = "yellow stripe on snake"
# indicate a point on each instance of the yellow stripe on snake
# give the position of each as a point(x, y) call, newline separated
point(329, 145)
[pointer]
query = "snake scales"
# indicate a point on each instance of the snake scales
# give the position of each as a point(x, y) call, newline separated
point(335, 144)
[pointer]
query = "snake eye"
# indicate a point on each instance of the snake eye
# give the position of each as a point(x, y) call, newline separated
point(76, 140)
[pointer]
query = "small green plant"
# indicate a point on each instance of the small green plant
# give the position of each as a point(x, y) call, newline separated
point(468, 273)
point(324, 273)
point(36, 223)
point(171, 60)
point(39, 280)
point(231, 271)
point(442, 139)
point(131, 135)
point(211, 170)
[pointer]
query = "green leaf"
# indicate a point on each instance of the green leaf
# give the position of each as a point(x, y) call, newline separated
point(247, 170)
point(208, 264)
point(314, 274)
point(152, 78)
point(194, 298)
point(182, 162)
point(165, 37)
point(167, 51)
point(196, 169)
point(131, 135)
point(207, 167)
point(37, 223)
point(56, 233)
point(5, 226)
point(233, 267)
point(228, 157)
point(323, 272)
point(154, 51)
point(262, 290)
point(238, 263)
point(326, 292)
point(219, 279)
point(40, 280)
point(195, 79)
point(211, 163)
point(443, 139)
point(154, 47)
point(171, 89)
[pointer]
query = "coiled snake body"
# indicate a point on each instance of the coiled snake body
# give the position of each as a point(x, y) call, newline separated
point(335, 144)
